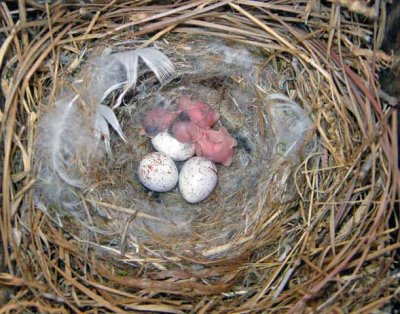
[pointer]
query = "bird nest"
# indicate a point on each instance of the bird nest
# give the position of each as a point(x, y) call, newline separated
point(299, 222)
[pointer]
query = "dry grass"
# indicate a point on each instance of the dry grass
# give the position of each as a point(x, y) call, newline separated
point(329, 250)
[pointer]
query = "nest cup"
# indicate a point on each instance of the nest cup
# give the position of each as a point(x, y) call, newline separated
point(300, 221)
point(268, 144)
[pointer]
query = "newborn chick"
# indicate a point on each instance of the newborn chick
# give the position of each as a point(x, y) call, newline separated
point(185, 131)
point(157, 120)
point(218, 146)
point(199, 112)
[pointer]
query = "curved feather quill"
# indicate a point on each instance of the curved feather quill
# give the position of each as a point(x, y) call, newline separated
point(157, 62)
point(69, 134)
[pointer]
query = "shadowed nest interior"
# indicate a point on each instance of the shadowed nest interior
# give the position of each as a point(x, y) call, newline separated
point(299, 231)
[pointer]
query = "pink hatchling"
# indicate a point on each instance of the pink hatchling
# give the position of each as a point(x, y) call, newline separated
point(218, 146)
point(185, 131)
point(192, 124)
point(157, 120)
point(199, 112)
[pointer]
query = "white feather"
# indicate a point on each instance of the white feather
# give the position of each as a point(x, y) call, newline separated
point(109, 116)
point(56, 139)
point(157, 62)
point(102, 131)
point(120, 70)
point(285, 111)
point(64, 140)
point(68, 134)
point(103, 117)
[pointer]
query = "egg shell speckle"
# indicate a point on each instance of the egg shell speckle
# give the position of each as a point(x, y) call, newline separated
point(167, 144)
point(197, 180)
point(158, 172)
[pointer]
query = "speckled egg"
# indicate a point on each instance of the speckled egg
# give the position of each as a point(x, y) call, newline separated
point(197, 180)
point(158, 172)
point(167, 144)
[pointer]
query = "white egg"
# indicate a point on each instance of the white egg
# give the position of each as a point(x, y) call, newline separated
point(198, 178)
point(158, 172)
point(170, 146)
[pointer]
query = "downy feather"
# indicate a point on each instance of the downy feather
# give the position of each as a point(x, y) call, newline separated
point(156, 61)
point(69, 131)
point(120, 70)
point(64, 141)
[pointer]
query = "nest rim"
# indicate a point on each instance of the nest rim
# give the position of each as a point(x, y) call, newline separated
point(371, 161)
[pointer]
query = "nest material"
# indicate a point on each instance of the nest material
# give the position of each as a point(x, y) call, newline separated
point(271, 132)
point(321, 250)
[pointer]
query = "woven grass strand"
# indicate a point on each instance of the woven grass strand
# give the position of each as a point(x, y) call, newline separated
point(329, 250)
